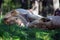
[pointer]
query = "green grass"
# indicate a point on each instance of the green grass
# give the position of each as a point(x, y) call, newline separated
point(14, 32)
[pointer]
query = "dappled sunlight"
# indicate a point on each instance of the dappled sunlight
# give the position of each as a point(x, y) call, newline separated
point(24, 33)
point(43, 35)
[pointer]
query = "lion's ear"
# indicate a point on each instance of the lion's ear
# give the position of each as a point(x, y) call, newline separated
point(13, 12)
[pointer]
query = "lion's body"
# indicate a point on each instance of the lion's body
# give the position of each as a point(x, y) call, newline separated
point(29, 19)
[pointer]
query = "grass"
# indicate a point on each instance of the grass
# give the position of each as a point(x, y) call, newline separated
point(14, 32)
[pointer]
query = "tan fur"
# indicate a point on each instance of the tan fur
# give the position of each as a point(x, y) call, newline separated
point(13, 13)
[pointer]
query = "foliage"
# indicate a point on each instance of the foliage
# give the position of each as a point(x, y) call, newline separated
point(8, 5)
point(14, 32)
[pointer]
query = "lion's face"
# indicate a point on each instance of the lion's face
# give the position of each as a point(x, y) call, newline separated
point(10, 20)
point(13, 20)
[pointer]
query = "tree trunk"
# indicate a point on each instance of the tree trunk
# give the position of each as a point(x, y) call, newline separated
point(44, 9)
point(36, 7)
point(24, 4)
point(55, 4)
point(40, 7)
point(0, 8)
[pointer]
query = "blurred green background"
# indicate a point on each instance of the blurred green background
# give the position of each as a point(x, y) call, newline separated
point(14, 32)
point(8, 5)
